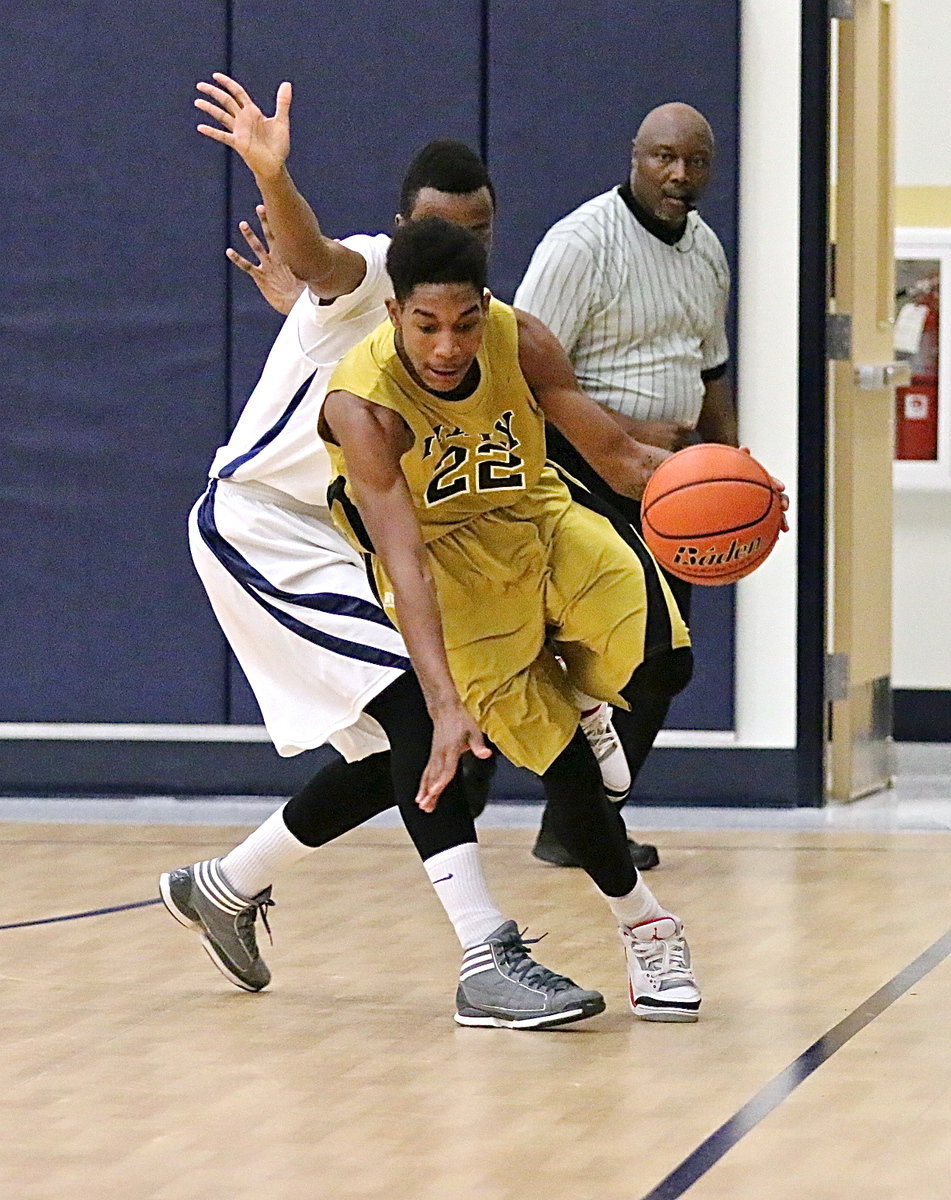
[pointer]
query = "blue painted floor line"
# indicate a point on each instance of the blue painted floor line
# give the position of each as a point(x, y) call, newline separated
point(92, 912)
point(709, 1152)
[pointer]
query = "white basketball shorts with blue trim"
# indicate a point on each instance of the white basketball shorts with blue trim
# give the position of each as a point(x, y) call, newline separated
point(295, 603)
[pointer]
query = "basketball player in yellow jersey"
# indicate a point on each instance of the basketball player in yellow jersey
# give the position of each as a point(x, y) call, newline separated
point(492, 571)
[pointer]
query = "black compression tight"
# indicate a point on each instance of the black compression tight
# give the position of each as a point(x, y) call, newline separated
point(577, 812)
point(344, 795)
point(584, 821)
point(340, 797)
point(649, 692)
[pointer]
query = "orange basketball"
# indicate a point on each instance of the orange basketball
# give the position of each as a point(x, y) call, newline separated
point(711, 514)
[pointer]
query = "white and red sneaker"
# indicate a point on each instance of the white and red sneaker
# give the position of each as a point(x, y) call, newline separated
point(662, 985)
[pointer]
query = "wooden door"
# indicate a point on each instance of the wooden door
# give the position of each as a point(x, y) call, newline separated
point(863, 402)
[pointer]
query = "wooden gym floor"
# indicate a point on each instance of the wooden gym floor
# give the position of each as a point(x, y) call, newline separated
point(133, 1071)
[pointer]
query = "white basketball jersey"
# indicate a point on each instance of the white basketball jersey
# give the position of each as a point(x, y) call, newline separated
point(275, 441)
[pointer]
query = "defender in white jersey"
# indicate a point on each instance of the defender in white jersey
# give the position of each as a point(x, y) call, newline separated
point(292, 598)
point(635, 284)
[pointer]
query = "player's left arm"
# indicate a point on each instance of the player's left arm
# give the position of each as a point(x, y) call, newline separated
point(623, 463)
point(717, 420)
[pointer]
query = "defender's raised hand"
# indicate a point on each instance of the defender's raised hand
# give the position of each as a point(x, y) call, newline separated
point(329, 268)
point(262, 142)
point(276, 282)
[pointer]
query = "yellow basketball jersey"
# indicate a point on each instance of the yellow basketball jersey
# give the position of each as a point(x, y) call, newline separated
point(537, 593)
point(468, 456)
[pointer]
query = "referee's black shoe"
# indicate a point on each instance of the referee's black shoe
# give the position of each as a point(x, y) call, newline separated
point(548, 849)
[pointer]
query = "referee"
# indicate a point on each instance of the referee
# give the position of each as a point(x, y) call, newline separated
point(635, 286)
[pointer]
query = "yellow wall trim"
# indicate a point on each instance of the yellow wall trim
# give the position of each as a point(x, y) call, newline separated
point(923, 206)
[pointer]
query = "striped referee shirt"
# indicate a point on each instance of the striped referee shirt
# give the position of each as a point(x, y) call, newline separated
point(642, 319)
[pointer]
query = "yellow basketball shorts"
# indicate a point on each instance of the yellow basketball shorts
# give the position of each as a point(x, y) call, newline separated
point(543, 580)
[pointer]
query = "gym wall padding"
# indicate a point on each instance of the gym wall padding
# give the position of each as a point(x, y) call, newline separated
point(130, 343)
point(113, 343)
point(567, 88)
point(373, 83)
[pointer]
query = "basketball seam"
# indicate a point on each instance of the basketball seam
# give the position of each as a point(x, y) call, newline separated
point(696, 537)
point(684, 487)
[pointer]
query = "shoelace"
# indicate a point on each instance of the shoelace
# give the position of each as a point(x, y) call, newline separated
point(666, 957)
point(244, 925)
point(598, 731)
point(523, 968)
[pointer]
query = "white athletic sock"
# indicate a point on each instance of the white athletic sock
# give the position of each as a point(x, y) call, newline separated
point(637, 906)
point(252, 865)
point(456, 875)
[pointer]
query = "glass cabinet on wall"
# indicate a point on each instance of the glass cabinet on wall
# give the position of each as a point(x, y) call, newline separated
point(923, 405)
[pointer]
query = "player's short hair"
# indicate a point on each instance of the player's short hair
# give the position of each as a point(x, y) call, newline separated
point(447, 166)
point(431, 250)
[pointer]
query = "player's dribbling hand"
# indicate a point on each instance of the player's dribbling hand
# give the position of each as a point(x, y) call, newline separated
point(780, 489)
point(263, 142)
point(276, 282)
point(454, 732)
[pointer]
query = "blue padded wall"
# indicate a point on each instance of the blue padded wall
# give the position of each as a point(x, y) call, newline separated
point(113, 335)
point(372, 85)
point(567, 88)
point(129, 343)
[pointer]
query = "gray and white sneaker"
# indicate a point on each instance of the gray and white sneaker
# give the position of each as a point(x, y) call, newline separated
point(662, 983)
point(200, 898)
point(615, 773)
point(501, 985)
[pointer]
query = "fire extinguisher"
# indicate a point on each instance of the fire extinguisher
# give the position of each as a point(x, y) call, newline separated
point(916, 416)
